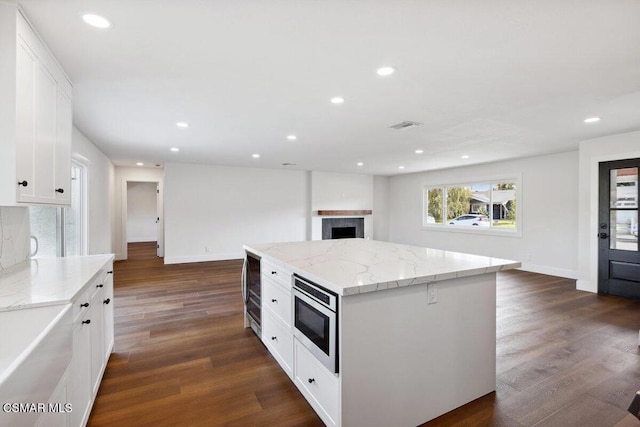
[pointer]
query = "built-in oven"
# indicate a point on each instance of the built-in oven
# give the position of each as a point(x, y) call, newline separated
point(252, 292)
point(315, 319)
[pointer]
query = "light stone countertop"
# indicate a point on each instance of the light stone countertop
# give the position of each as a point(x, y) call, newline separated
point(354, 266)
point(47, 281)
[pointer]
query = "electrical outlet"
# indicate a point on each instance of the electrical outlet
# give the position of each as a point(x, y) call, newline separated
point(432, 293)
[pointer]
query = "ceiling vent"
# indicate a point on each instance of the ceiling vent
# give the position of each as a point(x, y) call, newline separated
point(404, 125)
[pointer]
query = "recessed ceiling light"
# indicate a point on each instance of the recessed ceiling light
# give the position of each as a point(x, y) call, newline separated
point(465, 156)
point(337, 100)
point(182, 125)
point(292, 137)
point(360, 164)
point(96, 20)
point(255, 156)
point(592, 120)
point(400, 167)
point(385, 71)
point(419, 151)
point(175, 149)
point(140, 164)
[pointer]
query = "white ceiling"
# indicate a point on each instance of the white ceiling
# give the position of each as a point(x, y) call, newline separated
point(489, 79)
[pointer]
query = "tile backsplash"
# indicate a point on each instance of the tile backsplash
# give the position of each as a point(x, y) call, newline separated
point(15, 242)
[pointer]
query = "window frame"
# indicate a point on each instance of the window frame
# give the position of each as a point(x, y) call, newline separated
point(515, 178)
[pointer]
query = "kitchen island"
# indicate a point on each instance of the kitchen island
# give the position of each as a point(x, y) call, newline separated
point(416, 328)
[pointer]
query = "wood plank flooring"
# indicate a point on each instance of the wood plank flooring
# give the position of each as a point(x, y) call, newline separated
point(182, 357)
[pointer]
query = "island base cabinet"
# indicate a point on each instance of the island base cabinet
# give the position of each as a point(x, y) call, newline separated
point(319, 386)
point(58, 408)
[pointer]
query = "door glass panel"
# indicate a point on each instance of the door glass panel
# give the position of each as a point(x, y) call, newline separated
point(624, 188)
point(624, 230)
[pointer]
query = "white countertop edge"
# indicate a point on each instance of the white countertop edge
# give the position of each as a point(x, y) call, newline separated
point(498, 264)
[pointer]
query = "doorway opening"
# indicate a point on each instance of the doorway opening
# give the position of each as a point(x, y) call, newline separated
point(142, 215)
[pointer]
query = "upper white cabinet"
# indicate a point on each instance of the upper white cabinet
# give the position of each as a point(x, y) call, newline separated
point(36, 123)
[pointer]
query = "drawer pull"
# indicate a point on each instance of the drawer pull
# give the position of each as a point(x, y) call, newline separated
point(60, 190)
point(86, 322)
point(110, 272)
point(274, 300)
point(99, 286)
point(311, 380)
point(274, 272)
point(107, 301)
point(23, 183)
point(86, 304)
point(274, 338)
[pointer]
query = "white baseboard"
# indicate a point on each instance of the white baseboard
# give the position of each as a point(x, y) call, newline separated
point(202, 258)
point(119, 257)
point(551, 271)
point(141, 239)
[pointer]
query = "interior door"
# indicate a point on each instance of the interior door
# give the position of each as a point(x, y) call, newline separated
point(618, 254)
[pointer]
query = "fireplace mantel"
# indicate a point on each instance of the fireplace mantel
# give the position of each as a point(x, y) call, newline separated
point(343, 213)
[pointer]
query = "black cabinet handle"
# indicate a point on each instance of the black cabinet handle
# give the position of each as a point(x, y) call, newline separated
point(86, 304)
point(23, 183)
point(274, 338)
point(60, 190)
point(107, 301)
point(99, 286)
point(274, 272)
point(311, 380)
point(86, 322)
point(274, 300)
point(110, 272)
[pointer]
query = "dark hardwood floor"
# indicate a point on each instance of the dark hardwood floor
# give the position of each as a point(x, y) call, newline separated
point(182, 357)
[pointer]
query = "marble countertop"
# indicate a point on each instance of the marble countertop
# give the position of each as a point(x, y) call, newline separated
point(47, 281)
point(354, 266)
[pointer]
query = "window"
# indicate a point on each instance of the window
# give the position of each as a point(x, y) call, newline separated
point(58, 231)
point(488, 206)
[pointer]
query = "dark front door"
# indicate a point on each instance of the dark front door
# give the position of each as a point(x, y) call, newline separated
point(618, 254)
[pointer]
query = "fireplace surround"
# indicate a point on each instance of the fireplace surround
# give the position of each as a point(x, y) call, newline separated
point(342, 228)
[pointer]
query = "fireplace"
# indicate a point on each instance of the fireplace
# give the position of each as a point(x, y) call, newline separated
point(342, 228)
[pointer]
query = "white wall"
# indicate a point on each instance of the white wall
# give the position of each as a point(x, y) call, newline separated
point(381, 207)
point(549, 209)
point(122, 176)
point(340, 191)
point(100, 186)
point(142, 212)
point(616, 147)
point(211, 211)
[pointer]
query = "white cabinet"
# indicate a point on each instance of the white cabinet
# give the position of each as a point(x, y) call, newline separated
point(92, 342)
point(80, 381)
point(59, 409)
point(319, 386)
point(35, 131)
point(279, 340)
point(277, 334)
point(108, 314)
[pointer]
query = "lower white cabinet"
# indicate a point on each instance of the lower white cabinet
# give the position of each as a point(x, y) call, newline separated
point(92, 343)
point(279, 340)
point(319, 386)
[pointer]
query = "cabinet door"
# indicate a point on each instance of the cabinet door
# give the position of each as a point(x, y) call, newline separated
point(79, 382)
point(97, 339)
point(46, 101)
point(108, 315)
point(64, 113)
point(27, 63)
